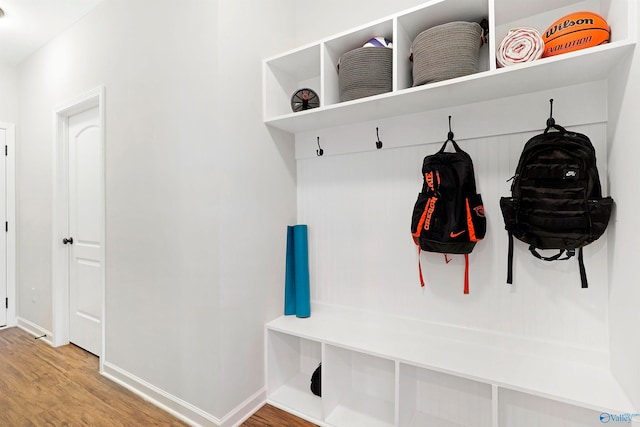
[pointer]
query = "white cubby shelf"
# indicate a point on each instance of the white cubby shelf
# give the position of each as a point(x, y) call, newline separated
point(314, 66)
point(382, 370)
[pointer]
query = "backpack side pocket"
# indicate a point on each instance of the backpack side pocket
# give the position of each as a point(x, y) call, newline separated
point(476, 220)
point(509, 208)
point(599, 212)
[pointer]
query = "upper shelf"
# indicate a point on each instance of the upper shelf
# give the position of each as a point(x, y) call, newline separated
point(314, 66)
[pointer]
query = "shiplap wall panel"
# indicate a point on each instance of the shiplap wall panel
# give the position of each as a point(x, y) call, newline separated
point(358, 207)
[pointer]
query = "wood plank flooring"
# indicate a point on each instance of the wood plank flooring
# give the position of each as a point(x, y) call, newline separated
point(45, 386)
point(269, 416)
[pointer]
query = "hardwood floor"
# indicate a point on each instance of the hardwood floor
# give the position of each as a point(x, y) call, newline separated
point(45, 386)
point(268, 416)
point(41, 385)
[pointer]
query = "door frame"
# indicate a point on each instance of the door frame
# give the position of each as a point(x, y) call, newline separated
point(60, 256)
point(10, 130)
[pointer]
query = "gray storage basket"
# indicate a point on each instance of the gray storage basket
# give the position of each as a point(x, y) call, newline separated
point(445, 52)
point(365, 71)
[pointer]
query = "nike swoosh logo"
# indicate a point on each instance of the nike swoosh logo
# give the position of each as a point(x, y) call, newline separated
point(454, 235)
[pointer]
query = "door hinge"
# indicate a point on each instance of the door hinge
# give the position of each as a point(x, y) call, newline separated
point(6, 303)
point(6, 151)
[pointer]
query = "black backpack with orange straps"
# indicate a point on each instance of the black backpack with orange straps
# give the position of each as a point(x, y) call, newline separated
point(448, 216)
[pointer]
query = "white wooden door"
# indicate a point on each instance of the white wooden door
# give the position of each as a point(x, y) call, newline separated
point(85, 228)
point(3, 234)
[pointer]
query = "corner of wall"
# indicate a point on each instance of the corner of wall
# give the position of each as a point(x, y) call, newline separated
point(160, 398)
point(623, 103)
point(177, 407)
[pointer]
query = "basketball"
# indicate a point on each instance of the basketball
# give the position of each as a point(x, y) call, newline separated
point(575, 31)
point(378, 42)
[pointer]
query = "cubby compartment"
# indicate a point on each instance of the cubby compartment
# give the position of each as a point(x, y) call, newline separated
point(336, 47)
point(541, 14)
point(291, 361)
point(523, 410)
point(285, 74)
point(430, 398)
point(358, 389)
point(413, 22)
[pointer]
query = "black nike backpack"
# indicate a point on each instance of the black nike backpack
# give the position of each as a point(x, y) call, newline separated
point(448, 216)
point(556, 200)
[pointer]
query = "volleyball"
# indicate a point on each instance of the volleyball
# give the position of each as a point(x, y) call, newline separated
point(378, 42)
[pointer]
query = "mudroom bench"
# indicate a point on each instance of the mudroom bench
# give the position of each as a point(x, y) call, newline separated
point(380, 370)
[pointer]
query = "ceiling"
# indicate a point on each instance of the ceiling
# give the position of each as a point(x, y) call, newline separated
point(29, 24)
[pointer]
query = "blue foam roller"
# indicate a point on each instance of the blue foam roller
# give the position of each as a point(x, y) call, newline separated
point(290, 280)
point(301, 248)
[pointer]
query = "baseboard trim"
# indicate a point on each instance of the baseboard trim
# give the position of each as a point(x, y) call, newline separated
point(35, 330)
point(177, 407)
point(243, 411)
point(167, 402)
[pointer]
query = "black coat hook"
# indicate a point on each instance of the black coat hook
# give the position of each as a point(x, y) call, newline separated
point(378, 142)
point(551, 121)
point(449, 139)
point(319, 151)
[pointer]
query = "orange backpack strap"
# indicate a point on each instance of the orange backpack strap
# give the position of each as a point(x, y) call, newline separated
point(466, 273)
point(420, 268)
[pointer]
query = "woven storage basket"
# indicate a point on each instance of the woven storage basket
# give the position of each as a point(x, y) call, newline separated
point(445, 52)
point(365, 71)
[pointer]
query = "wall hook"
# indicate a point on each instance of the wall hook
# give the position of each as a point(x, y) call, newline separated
point(551, 121)
point(449, 140)
point(319, 151)
point(378, 142)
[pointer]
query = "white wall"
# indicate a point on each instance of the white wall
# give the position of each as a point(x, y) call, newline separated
point(198, 192)
point(161, 195)
point(358, 207)
point(8, 94)
point(257, 191)
point(624, 176)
